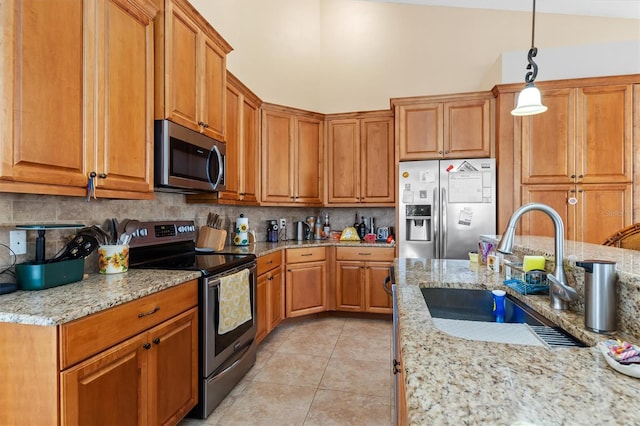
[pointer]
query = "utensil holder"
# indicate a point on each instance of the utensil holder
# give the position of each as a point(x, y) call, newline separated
point(40, 276)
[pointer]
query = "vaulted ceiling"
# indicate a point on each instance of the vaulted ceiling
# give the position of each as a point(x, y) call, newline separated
point(608, 8)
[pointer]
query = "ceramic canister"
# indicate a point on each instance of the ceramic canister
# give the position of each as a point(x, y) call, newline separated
point(242, 231)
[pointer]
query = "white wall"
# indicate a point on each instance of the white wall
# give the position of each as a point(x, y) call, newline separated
point(351, 55)
point(557, 63)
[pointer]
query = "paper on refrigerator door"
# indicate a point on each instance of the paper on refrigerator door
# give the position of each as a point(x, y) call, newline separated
point(465, 187)
point(407, 194)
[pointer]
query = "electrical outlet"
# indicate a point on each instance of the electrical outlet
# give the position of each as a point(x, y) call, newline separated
point(18, 242)
point(283, 223)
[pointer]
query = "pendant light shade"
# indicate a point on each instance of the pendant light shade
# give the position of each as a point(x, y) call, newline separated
point(529, 100)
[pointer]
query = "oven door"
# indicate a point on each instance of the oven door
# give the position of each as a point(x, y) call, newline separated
point(219, 347)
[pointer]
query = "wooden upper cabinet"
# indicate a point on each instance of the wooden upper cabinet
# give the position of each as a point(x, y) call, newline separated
point(190, 70)
point(584, 137)
point(548, 147)
point(292, 156)
point(360, 159)
point(125, 107)
point(82, 74)
point(434, 127)
point(604, 132)
point(243, 148)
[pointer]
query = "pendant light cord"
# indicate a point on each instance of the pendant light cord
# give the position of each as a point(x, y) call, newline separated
point(533, 24)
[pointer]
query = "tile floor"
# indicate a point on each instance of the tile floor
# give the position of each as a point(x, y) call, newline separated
point(321, 371)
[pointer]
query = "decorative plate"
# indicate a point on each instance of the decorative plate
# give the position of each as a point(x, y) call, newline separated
point(632, 370)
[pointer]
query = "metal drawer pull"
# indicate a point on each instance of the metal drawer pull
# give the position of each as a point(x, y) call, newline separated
point(306, 254)
point(144, 314)
point(365, 254)
point(270, 262)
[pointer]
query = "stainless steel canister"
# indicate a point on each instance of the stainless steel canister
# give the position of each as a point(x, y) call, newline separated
point(599, 295)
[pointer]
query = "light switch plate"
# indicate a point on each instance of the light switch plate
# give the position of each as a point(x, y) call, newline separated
point(18, 242)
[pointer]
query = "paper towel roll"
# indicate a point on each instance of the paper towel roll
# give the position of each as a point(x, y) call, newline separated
point(241, 237)
point(533, 262)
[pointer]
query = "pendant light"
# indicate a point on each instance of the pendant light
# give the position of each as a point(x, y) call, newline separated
point(529, 100)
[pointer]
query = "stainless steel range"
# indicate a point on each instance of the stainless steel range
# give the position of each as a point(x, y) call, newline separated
point(224, 357)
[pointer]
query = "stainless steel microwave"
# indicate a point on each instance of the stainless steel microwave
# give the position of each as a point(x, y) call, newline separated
point(187, 161)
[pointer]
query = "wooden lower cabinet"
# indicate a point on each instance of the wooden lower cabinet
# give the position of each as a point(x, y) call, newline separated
point(149, 379)
point(306, 281)
point(132, 364)
point(270, 298)
point(360, 272)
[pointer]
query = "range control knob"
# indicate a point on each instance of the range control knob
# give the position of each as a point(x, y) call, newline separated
point(143, 232)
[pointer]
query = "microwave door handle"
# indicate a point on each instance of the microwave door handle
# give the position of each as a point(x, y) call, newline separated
point(216, 151)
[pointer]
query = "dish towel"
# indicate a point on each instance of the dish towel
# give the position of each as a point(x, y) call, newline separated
point(235, 301)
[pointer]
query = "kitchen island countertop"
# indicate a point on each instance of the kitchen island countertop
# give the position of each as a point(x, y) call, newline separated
point(450, 380)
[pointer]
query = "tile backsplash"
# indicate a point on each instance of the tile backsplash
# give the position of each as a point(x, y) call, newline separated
point(28, 209)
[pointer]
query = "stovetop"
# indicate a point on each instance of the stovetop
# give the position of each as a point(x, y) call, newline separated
point(171, 245)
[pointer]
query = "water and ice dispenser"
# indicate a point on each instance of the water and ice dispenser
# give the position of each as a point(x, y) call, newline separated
point(418, 217)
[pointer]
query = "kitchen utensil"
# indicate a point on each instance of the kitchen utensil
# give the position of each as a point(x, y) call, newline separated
point(121, 230)
point(79, 246)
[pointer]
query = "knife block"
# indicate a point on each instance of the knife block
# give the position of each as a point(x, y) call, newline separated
point(211, 238)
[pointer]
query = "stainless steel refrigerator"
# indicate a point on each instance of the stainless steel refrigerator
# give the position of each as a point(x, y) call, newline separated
point(444, 206)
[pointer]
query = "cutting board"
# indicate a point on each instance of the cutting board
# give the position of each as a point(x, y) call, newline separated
point(211, 238)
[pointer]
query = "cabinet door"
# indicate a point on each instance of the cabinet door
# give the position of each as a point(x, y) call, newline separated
point(277, 162)
point(212, 89)
point(125, 109)
point(308, 163)
point(603, 210)
point(110, 388)
point(43, 94)
point(350, 286)
point(376, 299)
point(173, 368)
point(343, 162)
point(558, 198)
point(605, 129)
point(548, 148)
point(467, 128)
point(420, 131)
point(276, 299)
point(182, 84)
point(233, 145)
point(377, 164)
point(250, 152)
point(305, 289)
point(262, 307)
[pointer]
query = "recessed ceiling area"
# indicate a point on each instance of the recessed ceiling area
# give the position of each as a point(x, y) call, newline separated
point(606, 8)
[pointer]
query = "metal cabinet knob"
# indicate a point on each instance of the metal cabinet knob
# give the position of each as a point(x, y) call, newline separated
point(156, 340)
point(147, 345)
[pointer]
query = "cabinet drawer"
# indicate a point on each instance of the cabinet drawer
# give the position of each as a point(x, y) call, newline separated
point(269, 261)
point(309, 254)
point(87, 336)
point(365, 253)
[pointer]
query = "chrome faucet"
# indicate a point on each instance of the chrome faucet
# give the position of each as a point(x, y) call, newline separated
point(559, 292)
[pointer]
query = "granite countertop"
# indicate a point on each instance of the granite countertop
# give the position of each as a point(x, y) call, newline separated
point(263, 248)
point(451, 380)
point(65, 303)
point(59, 305)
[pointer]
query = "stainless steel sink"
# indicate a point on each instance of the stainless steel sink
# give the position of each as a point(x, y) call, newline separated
point(477, 305)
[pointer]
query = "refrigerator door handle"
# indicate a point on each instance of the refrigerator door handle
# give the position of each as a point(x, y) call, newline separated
point(436, 225)
point(443, 243)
